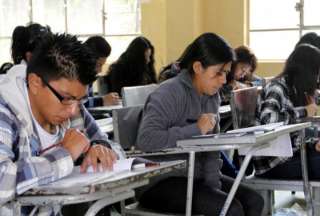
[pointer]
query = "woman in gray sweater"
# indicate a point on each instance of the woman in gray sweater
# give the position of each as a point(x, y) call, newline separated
point(180, 108)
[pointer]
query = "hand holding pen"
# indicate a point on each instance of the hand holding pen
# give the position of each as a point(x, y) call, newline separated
point(311, 107)
point(206, 122)
point(75, 142)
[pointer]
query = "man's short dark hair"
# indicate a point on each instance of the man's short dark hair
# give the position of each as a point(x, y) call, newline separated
point(99, 46)
point(63, 56)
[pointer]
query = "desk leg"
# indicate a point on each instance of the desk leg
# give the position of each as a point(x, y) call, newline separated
point(190, 183)
point(98, 205)
point(236, 184)
point(305, 176)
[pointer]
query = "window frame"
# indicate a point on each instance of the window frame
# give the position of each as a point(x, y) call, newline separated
point(104, 18)
point(301, 27)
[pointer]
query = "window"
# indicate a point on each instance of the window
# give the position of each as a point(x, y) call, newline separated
point(117, 20)
point(276, 26)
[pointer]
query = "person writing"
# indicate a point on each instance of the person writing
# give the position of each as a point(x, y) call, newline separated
point(37, 107)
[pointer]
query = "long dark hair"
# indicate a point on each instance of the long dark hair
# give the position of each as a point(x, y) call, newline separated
point(25, 39)
point(301, 73)
point(208, 48)
point(132, 68)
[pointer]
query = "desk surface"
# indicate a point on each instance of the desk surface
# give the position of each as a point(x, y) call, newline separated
point(111, 182)
point(233, 142)
point(105, 125)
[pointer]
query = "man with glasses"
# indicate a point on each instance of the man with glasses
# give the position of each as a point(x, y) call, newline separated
point(37, 108)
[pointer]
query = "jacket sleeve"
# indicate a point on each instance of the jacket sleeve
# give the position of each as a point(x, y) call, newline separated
point(19, 171)
point(95, 134)
point(158, 129)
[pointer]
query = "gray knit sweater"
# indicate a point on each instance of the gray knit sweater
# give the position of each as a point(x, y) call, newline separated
point(170, 114)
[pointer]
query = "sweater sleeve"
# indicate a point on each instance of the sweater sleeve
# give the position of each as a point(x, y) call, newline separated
point(158, 129)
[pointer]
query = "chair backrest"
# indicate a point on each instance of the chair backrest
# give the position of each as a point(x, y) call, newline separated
point(136, 95)
point(126, 123)
point(243, 104)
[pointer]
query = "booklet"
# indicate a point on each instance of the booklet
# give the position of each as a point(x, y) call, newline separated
point(78, 179)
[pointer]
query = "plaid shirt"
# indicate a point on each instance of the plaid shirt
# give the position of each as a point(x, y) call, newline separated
point(274, 105)
point(93, 101)
point(21, 165)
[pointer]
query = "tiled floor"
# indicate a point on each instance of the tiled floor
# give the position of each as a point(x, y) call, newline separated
point(289, 204)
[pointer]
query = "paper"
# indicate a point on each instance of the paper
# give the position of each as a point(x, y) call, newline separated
point(259, 128)
point(279, 147)
point(78, 179)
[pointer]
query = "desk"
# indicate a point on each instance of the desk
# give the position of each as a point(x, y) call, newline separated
point(106, 192)
point(254, 142)
point(105, 125)
point(225, 111)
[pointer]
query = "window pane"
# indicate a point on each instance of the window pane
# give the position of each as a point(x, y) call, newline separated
point(5, 52)
point(123, 17)
point(85, 17)
point(118, 44)
point(271, 45)
point(311, 12)
point(13, 13)
point(49, 12)
point(273, 14)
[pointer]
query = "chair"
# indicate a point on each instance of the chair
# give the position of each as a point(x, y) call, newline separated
point(243, 106)
point(136, 95)
point(126, 123)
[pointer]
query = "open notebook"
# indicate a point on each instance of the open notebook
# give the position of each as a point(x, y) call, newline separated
point(78, 179)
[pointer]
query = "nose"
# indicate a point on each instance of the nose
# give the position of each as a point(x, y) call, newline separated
point(71, 110)
point(223, 78)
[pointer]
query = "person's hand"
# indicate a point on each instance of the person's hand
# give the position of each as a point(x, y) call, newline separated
point(97, 153)
point(111, 99)
point(75, 143)
point(311, 109)
point(317, 146)
point(206, 122)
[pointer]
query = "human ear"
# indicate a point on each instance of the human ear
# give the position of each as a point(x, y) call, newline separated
point(34, 83)
point(197, 67)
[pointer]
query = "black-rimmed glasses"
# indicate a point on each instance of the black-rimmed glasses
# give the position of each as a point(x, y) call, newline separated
point(64, 100)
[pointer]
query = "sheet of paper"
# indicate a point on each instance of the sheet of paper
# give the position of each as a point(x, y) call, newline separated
point(78, 179)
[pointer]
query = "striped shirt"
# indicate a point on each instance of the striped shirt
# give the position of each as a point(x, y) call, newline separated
point(274, 105)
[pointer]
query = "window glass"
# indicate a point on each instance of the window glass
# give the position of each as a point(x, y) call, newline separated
point(85, 17)
point(273, 14)
point(122, 17)
point(12, 14)
point(118, 44)
point(49, 12)
point(311, 12)
point(5, 51)
point(272, 45)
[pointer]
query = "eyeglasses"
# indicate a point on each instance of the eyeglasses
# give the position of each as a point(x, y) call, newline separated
point(65, 100)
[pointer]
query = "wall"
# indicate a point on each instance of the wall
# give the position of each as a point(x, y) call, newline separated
point(172, 24)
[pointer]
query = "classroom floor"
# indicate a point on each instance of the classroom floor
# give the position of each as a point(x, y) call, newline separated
point(285, 204)
point(288, 204)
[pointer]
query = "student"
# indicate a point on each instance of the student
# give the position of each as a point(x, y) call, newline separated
point(134, 67)
point(37, 145)
point(310, 38)
point(101, 49)
point(241, 74)
point(288, 98)
point(180, 108)
point(24, 41)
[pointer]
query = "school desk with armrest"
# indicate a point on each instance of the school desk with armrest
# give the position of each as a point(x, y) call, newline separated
point(127, 132)
point(104, 192)
point(243, 105)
